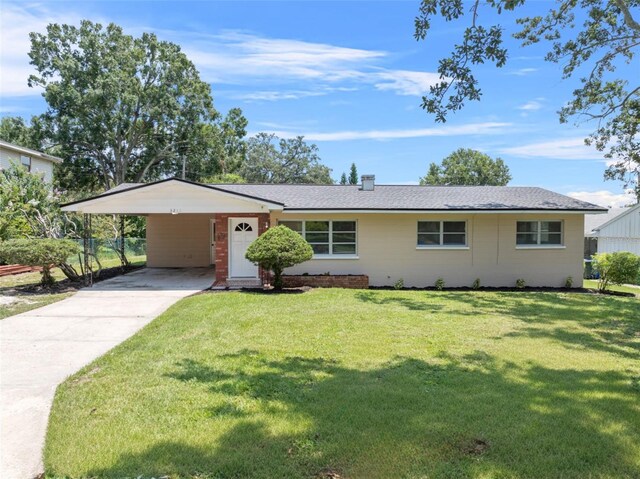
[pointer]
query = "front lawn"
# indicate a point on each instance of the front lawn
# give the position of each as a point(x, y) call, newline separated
point(362, 384)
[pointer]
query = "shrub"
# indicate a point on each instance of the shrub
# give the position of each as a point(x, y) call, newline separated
point(439, 284)
point(278, 248)
point(45, 253)
point(568, 283)
point(399, 284)
point(520, 283)
point(616, 268)
point(476, 284)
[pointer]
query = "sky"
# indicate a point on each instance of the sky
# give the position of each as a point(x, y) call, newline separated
point(349, 77)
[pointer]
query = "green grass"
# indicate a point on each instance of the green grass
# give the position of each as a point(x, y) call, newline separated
point(362, 384)
point(593, 283)
point(24, 298)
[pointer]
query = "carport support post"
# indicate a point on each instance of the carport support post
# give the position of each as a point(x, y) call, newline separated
point(123, 258)
point(86, 243)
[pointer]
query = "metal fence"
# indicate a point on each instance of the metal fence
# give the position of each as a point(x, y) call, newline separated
point(106, 252)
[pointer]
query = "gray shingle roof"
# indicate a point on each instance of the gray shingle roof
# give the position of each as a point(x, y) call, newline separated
point(595, 221)
point(405, 197)
point(401, 197)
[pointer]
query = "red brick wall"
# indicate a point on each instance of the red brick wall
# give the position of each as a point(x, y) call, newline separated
point(222, 241)
point(355, 281)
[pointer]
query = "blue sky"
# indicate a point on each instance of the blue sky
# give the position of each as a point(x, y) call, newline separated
point(349, 77)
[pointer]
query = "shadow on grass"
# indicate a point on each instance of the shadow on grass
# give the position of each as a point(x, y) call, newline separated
point(456, 417)
point(578, 321)
point(400, 300)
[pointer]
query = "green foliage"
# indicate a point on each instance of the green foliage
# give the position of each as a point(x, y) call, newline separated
point(439, 284)
point(606, 37)
point(398, 284)
point(476, 284)
point(278, 248)
point(126, 109)
point(29, 208)
point(45, 253)
point(353, 175)
point(343, 178)
point(568, 282)
point(468, 167)
point(273, 160)
point(616, 268)
point(15, 130)
point(520, 283)
point(224, 178)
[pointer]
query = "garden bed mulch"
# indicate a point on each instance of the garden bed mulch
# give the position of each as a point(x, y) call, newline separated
point(526, 289)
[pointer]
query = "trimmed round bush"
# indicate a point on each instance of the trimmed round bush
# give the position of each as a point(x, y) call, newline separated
point(46, 253)
point(278, 248)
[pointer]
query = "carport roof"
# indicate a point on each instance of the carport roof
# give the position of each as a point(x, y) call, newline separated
point(388, 198)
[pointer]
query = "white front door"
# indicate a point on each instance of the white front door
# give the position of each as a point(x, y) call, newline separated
point(242, 232)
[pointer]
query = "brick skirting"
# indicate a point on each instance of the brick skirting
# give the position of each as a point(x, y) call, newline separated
point(355, 281)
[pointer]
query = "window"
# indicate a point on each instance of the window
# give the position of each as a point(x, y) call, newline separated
point(442, 233)
point(539, 233)
point(26, 162)
point(243, 227)
point(327, 237)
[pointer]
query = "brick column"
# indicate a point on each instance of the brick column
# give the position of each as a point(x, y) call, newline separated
point(222, 241)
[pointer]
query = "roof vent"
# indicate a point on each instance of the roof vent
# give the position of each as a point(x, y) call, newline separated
point(368, 182)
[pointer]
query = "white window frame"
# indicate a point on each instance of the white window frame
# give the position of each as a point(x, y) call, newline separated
point(441, 245)
point(331, 255)
point(538, 244)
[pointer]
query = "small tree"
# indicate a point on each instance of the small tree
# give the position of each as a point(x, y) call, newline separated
point(353, 175)
point(616, 268)
point(45, 253)
point(278, 248)
point(343, 179)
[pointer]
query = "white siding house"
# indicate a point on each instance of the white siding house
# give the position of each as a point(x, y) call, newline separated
point(621, 233)
point(34, 161)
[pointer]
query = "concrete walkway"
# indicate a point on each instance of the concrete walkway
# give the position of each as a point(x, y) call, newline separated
point(42, 347)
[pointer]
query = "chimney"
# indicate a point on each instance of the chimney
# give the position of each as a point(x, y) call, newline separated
point(368, 182)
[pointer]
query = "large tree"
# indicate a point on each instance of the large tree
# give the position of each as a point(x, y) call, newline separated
point(468, 167)
point(16, 130)
point(590, 38)
point(124, 108)
point(273, 160)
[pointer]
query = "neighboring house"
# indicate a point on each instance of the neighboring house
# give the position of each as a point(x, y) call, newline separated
point(619, 232)
point(34, 161)
point(591, 224)
point(414, 233)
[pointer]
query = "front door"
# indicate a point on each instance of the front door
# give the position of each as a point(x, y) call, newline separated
point(242, 233)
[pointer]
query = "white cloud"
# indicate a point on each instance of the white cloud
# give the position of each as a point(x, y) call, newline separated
point(16, 22)
point(405, 82)
point(487, 128)
point(276, 95)
point(562, 149)
point(604, 198)
point(523, 71)
point(532, 105)
point(242, 58)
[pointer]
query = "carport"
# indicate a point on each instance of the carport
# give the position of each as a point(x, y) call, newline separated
point(190, 224)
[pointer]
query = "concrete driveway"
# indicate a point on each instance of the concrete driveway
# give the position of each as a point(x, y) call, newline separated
point(42, 347)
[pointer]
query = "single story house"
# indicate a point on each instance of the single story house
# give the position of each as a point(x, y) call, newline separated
point(34, 161)
point(620, 231)
point(387, 232)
